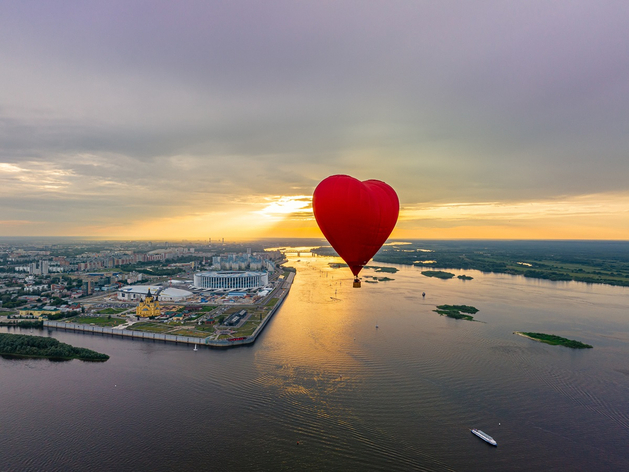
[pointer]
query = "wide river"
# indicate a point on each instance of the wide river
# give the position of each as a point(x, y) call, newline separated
point(324, 389)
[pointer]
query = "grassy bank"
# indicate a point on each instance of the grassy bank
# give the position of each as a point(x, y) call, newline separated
point(554, 340)
point(98, 321)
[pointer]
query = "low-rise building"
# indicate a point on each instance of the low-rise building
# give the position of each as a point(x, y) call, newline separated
point(37, 312)
point(139, 292)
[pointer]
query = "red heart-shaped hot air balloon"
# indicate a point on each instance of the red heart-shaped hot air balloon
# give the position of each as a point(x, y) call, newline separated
point(355, 217)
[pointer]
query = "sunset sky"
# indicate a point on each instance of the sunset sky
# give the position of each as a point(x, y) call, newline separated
point(197, 119)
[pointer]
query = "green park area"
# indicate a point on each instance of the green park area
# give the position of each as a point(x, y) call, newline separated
point(176, 329)
point(190, 332)
point(206, 329)
point(111, 311)
point(103, 321)
point(272, 302)
point(153, 327)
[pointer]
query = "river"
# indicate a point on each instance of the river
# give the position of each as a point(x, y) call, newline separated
point(324, 389)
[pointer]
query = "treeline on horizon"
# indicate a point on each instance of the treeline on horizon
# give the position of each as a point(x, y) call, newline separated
point(603, 262)
point(20, 345)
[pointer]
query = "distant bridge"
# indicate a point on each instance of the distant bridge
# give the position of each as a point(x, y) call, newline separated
point(299, 253)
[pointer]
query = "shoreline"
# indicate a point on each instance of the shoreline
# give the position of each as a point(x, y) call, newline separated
point(556, 340)
point(178, 339)
point(519, 333)
point(8, 355)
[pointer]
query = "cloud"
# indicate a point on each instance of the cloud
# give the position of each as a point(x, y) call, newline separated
point(118, 112)
point(582, 206)
point(297, 207)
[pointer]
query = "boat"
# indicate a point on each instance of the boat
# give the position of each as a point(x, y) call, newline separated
point(484, 436)
point(195, 348)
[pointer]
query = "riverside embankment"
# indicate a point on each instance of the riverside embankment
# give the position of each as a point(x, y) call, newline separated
point(281, 294)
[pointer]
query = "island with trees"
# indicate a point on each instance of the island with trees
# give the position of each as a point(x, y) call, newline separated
point(24, 346)
point(439, 274)
point(464, 277)
point(458, 312)
point(339, 265)
point(599, 262)
point(554, 340)
point(376, 279)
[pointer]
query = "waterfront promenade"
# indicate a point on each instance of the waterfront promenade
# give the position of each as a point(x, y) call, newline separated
point(281, 293)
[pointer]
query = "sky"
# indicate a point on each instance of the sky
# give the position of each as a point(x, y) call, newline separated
point(217, 119)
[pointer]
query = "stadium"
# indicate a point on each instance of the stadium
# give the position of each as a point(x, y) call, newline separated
point(230, 279)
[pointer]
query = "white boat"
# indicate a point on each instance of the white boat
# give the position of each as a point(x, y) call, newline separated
point(484, 436)
point(195, 348)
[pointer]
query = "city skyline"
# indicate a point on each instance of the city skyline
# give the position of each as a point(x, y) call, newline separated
point(167, 122)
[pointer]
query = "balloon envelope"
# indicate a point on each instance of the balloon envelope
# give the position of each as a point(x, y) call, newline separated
point(355, 217)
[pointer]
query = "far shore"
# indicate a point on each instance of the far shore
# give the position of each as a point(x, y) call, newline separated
point(554, 340)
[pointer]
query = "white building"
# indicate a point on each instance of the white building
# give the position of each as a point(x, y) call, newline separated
point(231, 279)
point(35, 288)
point(139, 292)
point(38, 268)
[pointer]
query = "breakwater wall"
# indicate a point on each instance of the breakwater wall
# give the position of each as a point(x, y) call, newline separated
point(142, 335)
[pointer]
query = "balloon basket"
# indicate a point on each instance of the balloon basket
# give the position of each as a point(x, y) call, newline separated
point(357, 283)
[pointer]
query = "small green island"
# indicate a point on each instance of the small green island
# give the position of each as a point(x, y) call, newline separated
point(464, 277)
point(376, 279)
point(24, 346)
point(390, 270)
point(554, 340)
point(458, 312)
point(438, 274)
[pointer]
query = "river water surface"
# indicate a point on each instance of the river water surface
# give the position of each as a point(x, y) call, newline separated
point(324, 389)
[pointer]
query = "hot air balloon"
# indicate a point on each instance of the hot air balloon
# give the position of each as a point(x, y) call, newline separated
point(355, 217)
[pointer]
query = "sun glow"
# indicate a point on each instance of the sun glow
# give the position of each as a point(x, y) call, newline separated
point(282, 206)
point(580, 217)
point(601, 216)
point(275, 216)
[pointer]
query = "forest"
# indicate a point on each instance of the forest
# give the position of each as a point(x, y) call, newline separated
point(602, 262)
point(20, 345)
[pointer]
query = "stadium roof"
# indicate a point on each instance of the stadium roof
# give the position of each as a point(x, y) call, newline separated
point(165, 292)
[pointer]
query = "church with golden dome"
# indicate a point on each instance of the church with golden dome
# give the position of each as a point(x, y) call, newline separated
point(148, 307)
